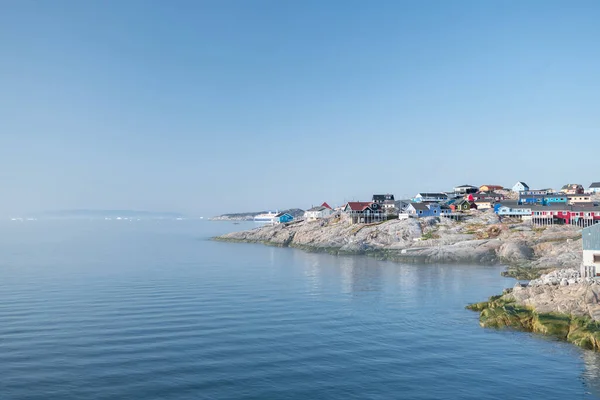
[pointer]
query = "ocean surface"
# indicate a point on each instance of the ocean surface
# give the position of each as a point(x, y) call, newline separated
point(156, 310)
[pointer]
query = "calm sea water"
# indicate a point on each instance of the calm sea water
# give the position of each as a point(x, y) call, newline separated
point(155, 310)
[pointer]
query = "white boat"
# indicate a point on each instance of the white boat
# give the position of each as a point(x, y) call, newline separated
point(266, 217)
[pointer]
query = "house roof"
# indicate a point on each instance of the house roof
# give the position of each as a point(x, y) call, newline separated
point(595, 185)
point(419, 206)
point(317, 208)
point(425, 194)
point(326, 205)
point(522, 183)
point(465, 186)
point(570, 185)
point(493, 187)
point(358, 205)
point(281, 214)
point(381, 197)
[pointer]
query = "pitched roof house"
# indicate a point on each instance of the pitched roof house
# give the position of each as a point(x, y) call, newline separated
point(594, 187)
point(520, 186)
point(363, 212)
point(489, 188)
point(380, 198)
point(430, 197)
point(465, 205)
point(282, 218)
point(572, 188)
point(319, 212)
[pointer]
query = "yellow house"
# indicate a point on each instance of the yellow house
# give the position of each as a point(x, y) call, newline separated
point(490, 188)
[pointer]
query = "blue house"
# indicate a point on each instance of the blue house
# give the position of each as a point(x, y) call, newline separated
point(512, 209)
point(556, 198)
point(282, 218)
point(420, 210)
point(531, 198)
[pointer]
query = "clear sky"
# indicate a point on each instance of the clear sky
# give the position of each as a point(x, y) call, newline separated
point(206, 107)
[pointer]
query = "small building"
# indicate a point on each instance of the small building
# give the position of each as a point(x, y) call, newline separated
point(512, 209)
point(490, 188)
point(590, 266)
point(430, 197)
point(421, 210)
point(466, 189)
point(319, 212)
point(594, 188)
point(282, 218)
point(572, 188)
point(579, 198)
point(491, 196)
point(484, 204)
point(464, 205)
point(382, 198)
point(520, 187)
point(531, 198)
point(535, 192)
point(555, 198)
point(364, 212)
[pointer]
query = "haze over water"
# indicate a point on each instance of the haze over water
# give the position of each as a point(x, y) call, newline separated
point(155, 310)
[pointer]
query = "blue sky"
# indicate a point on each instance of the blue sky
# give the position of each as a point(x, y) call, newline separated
point(208, 107)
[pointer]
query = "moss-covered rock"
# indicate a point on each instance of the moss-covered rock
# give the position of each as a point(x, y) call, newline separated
point(502, 311)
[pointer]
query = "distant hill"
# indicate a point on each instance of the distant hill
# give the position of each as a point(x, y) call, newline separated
point(249, 216)
point(101, 214)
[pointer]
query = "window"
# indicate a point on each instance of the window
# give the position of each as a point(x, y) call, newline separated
point(596, 258)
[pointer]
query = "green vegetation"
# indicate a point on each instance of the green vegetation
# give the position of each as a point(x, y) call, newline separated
point(525, 272)
point(502, 311)
point(430, 235)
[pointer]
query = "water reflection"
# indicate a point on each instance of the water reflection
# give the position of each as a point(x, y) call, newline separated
point(592, 371)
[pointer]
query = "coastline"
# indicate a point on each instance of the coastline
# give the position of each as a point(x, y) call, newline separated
point(570, 313)
point(481, 238)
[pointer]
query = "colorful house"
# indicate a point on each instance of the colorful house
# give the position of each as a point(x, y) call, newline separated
point(566, 214)
point(421, 210)
point(465, 205)
point(555, 198)
point(282, 218)
point(572, 188)
point(512, 209)
point(490, 188)
point(363, 212)
point(520, 187)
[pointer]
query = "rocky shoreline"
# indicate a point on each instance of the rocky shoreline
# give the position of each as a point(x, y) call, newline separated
point(560, 304)
point(481, 238)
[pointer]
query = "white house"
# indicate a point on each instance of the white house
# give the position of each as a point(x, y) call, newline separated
point(465, 189)
point(591, 251)
point(430, 197)
point(319, 212)
point(594, 187)
point(519, 187)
